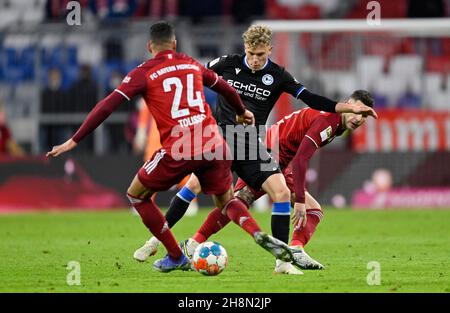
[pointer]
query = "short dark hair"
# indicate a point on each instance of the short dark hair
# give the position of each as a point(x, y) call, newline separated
point(364, 96)
point(162, 32)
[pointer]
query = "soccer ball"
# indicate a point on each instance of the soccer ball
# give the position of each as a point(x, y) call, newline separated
point(210, 258)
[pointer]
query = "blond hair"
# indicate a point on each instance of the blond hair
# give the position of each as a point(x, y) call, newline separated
point(257, 35)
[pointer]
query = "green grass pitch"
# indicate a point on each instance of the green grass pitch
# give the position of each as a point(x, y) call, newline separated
point(412, 248)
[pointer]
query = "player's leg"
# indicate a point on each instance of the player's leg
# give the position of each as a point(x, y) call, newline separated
point(178, 206)
point(275, 187)
point(193, 207)
point(153, 219)
point(181, 201)
point(262, 172)
point(302, 236)
point(156, 175)
point(215, 220)
point(239, 214)
point(217, 180)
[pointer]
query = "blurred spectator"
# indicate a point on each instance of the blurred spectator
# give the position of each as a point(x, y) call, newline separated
point(197, 10)
point(114, 80)
point(380, 100)
point(243, 11)
point(84, 91)
point(8, 146)
point(293, 9)
point(56, 10)
point(157, 8)
point(146, 138)
point(426, 8)
point(114, 49)
point(110, 10)
point(409, 100)
point(53, 97)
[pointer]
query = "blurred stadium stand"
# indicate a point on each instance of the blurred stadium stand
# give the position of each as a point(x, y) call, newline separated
point(51, 74)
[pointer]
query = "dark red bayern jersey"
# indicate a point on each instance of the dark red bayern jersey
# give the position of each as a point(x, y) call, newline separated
point(318, 126)
point(172, 87)
point(5, 136)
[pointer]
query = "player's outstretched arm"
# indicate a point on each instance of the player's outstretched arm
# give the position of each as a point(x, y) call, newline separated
point(322, 103)
point(299, 167)
point(358, 108)
point(57, 150)
point(100, 112)
point(213, 81)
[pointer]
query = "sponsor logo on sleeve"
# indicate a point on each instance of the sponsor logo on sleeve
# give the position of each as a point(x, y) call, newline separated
point(325, 134)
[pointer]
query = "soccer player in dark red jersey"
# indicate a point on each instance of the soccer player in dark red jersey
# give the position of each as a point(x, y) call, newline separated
point(172, 86)
point(8, 146)
point(293, 141)
point(260, 82)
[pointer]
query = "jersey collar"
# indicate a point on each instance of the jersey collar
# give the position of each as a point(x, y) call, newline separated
point(165, 52)
point(248, 67)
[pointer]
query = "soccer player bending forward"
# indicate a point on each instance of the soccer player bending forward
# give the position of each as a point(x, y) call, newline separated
point(172, 86)
point(293, 140)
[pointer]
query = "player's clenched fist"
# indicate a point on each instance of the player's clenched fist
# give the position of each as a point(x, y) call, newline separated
point(247, 118)
point(57, 150)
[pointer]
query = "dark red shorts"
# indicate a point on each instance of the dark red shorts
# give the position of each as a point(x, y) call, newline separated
point(287, 173)
point(162, 172)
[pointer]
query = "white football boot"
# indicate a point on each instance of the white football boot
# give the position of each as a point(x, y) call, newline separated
point(148, 249)
point(192, 209)
point(276, 247)
point(304, 261)
point(286, 268)
point(188, 247)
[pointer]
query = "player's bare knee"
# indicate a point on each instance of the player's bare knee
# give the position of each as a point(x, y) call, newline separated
point(245, 195)
point(281, 195)
point(319, 207)
point(221, 200)
point(293, 199)
point(312, 203)
point(194, 185)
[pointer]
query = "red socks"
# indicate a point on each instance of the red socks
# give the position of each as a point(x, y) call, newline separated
point(238, 213)
point(302, 236)
point(154, 220)
point(213, 223)
point(236, 210)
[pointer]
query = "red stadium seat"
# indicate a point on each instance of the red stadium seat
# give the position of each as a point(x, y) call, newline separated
point(438, 64)
point(276, 10)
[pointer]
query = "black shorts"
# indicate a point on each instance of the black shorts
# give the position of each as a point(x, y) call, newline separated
point(251, 160)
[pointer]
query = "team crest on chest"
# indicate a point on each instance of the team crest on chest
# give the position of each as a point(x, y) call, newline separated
point(267, 79)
